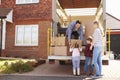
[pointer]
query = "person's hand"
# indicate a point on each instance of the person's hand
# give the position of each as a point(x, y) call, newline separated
point(69, 43)
point(92, 44)
point(91, 47)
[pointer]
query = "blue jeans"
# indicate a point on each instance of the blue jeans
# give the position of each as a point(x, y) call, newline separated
point(76, 62)
point(88, 64)
point(97, 61)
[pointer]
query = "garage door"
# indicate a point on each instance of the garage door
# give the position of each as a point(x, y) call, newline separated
point(115, 43)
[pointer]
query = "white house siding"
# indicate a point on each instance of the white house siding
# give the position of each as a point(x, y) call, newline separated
point(112, 22)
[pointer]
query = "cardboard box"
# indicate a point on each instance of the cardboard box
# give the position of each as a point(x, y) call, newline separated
point(61, 41)
point(73, 42)
point(60, 51)
point(54, 41)
point(58, 41)
point(51, 50)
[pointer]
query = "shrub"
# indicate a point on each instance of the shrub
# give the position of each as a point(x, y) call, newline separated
point(19, 67)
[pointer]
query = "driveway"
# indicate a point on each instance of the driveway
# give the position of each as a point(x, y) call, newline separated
point(64, 72)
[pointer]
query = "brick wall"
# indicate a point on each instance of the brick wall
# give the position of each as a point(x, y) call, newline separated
point(41, 14)
point(41, 10)
point(39, 51)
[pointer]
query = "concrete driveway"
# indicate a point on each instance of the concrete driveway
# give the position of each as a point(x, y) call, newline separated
point(64, 72)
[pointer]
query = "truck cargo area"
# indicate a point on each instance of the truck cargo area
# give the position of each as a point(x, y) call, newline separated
point(66, 11)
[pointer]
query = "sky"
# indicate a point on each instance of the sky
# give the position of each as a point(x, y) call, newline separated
point(113, 8)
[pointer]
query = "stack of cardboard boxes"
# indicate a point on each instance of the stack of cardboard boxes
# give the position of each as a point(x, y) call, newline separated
point(58, 46)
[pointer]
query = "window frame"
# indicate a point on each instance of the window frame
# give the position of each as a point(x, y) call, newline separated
point(24, 2)
point(23, 44)
point(0, 2)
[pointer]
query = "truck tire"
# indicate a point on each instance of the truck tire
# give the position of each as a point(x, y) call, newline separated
point(62, 62)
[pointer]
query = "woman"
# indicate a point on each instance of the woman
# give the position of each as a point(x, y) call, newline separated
point(97, 42)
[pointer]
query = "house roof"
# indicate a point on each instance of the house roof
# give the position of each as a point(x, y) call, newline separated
point(79, 3)
point(4, 12)
point(113, 17)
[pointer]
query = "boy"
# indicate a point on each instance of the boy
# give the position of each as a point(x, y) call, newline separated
point(88, 56)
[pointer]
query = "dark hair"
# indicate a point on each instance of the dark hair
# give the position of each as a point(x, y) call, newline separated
point(78, 22)
point(95, 22)
point(89, 39)
point(76, 45)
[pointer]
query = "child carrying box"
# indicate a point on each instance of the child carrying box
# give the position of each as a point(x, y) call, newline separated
point(75, 49)
point(88, 57)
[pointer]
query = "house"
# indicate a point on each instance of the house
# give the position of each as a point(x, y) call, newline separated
point(113, 23)
point(24, 23)
point(24, 33)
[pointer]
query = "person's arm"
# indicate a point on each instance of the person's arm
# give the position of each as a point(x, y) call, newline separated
point(91, 46)
point(81, 32)
point(71, 49)
point(69, 34)
point(80, 49)
point(69, 30)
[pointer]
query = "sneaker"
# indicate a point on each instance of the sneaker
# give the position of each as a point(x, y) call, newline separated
point(91, 74)
point(101, 75)
point(84, 74)
point(96, 77)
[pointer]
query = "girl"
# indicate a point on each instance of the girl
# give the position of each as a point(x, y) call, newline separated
point(97, 42)
point(76, 58)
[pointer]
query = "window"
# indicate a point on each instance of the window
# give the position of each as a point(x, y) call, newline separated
point(26, 1)
point(26, 35)
point(0, 1)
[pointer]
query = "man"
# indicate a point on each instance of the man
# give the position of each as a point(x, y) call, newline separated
point(76, 29)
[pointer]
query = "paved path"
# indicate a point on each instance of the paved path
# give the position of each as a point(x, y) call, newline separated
point(64, 72)
point(21, 77)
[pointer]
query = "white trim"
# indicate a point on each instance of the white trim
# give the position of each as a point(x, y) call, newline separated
point(0, 2)
point(70, 57)
point(22, 44)
point(80, 11)
point(9, 19)
point(9, 16)
point(25, 2)
point(3, 34)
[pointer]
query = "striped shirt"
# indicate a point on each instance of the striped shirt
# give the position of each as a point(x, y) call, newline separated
point(97, 38)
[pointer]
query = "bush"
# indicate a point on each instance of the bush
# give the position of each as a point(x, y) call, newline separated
point(8, 70)
point(19, 67)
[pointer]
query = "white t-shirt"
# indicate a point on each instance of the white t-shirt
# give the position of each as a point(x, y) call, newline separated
point(75, 51)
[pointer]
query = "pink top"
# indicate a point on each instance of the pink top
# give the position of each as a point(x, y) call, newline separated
point(75, 51)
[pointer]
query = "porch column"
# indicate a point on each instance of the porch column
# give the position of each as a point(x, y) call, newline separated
point(3, 34)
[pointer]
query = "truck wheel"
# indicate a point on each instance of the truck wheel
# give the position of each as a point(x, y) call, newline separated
point(62, 62)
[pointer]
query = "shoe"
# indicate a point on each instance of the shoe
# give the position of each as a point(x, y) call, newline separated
point(84, 73)
point(101, 75)
point(96, 77)
point(91, 74)
point(78, 71)
point(74, 72)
